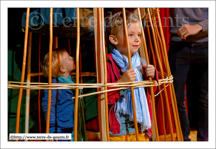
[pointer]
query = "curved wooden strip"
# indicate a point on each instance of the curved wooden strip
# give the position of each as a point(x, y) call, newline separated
point(97, 63)
point(28, 83)
point(39, 78)
point(77, 77)
point(23, 70)
point(55, 42)
point(130, 66)
point(105, 72)
point(50, 69)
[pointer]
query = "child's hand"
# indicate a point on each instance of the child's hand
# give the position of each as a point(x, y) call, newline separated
point(128, 76)
point(149, 70)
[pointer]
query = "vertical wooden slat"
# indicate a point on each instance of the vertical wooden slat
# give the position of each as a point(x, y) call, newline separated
point(50, 69)
point(77, 77)
point(99, 72)
point(28, 83)
point(105, 72)
point(130, 66)
point(155, 128)
point(96, 63)
point(55, 42)
point(160, 46)
point(23, 70)
point(80, 64)
point(39, 78)
point(141, 50)
point(162, 75)
point(81, 78)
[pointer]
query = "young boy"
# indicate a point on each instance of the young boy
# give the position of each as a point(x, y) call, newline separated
point(120, 104)
point(62, 104)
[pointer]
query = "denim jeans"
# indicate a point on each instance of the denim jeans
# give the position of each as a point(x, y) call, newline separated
point(189, 65)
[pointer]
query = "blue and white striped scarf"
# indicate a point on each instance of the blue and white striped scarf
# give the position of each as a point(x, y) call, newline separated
point(124, 105)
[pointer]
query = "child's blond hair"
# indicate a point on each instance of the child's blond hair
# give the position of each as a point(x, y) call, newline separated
point(56, 63)
point(115, 21)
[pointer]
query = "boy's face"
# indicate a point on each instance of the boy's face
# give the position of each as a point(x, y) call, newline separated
point(68, 62)
point(134, 37)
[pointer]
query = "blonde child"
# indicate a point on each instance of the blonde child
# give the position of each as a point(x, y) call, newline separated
point(120, 103)
point(62, 104)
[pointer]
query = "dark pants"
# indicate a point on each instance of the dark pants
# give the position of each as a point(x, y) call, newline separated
point(66, 130)
point(189, 65)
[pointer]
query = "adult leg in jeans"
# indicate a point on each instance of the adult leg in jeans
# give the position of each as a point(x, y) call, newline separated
point(179, 59)
point(179, 73)
point(202, 134)
point(197, 93)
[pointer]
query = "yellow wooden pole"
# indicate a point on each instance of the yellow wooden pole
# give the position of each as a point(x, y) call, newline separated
point(55, 42)
point(28, 83)
point(39, 78)
point(130, 66)
point(97, 62)
point(77, 77)
point(50, 68)
point(105, 72)
point(23, 70)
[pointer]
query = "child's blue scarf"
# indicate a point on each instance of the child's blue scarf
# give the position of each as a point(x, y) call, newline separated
point(124, 105)
point(70, 81)
point(65, 80)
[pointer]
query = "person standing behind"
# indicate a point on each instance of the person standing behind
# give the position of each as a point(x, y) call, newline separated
point(188, 58)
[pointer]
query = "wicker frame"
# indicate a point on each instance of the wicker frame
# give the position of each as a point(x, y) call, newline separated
point(159, 47)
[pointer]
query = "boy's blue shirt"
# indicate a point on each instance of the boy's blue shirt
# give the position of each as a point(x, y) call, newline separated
point(64, 116)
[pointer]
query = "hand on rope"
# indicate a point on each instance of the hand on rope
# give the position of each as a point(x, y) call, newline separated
point(187, 30)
